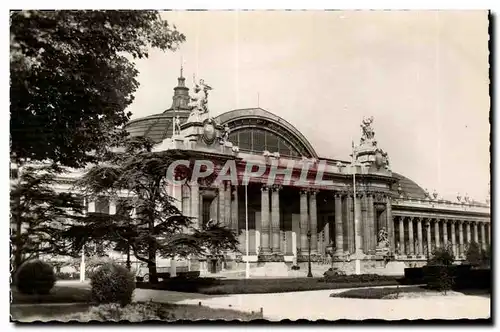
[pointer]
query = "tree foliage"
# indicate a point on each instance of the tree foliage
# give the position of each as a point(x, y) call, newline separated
point(147, 221)
point(72, 77)
point(39, 214)
point(442, 256)
point(476, 256)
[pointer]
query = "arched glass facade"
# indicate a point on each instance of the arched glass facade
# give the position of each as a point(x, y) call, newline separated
point(258, 140)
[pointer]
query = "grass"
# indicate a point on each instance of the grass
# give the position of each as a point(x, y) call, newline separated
point(211, 286)
point(135, 312)
point(45, 311)
point(58, 294)
point(72, 303)
point(379, 293)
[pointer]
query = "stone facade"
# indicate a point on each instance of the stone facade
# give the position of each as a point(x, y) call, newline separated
point(364, 211)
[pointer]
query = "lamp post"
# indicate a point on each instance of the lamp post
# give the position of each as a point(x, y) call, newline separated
point(247, 263)
point(82, 265)
point(309, 273)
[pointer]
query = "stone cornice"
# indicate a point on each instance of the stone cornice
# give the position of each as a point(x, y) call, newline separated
point(426, 215)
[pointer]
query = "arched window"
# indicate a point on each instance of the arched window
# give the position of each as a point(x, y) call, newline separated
point(259, 140)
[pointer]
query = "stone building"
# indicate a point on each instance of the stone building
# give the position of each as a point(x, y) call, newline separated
point(360, 210)
point(387, 216)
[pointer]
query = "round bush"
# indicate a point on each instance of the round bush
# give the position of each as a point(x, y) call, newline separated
point(35, 277)
point(112, 283)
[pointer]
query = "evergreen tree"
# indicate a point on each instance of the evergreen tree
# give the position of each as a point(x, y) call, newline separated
point(40, 214)
point(152, 224)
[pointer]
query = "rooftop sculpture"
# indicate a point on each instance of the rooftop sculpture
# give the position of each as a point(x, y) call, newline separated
point(368, 134)
point(198, 102)
point(368, 152)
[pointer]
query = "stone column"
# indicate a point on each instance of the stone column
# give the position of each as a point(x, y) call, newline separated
point(483, 237)
point(350, 224)
point(476, 233)
point(371, 223)
point(275, 218)
point(419, 237)
point(339, 236)
point(227, 205)
point(264, 220)
point(453, 238)
point(365, 225)
point(358, 230)
point(313, 218)
point(390, 223)
point(234, 209)
point(222, 200)
point(402, 250)
point(177, 194)
point(445, 232)
point(195, 203)
point(469, 237)
point(489, 233)
point(304, 221)
point(326, 239)
point(460, 238)
point(411, 249)
point(186, 200)
point(429, 239)
point(436, 233)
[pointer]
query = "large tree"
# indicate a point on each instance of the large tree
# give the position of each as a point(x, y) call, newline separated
point(72, 77)
point(147, 221)
point(40, 214)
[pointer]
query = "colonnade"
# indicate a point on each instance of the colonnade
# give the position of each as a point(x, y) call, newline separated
point(439, 233)
point(407, 235)
point(347, 237)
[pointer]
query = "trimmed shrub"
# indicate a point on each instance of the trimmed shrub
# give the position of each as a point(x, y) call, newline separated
point(295, 268)
point(67, 275)
point(330, 276)
point(214, 286)
point(414, 275)
point(163, 275)
point(112, 283)
point(35, 277)
point(332, 272)
point(189, 274)
point(467, 278)
point(94, 263)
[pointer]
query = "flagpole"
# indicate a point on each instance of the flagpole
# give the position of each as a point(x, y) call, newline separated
point(356, 230)
point(247, 267)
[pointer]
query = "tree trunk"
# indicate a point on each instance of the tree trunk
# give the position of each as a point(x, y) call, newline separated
point(153, 278)
point(129, 265)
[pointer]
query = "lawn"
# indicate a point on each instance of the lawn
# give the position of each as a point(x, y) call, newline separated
point(379, 293)
point(211, 286)
point(58, 294)
point(72, 303)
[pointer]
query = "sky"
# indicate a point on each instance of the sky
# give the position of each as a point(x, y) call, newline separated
point(422, 75)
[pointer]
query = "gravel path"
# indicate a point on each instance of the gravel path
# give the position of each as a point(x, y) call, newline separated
point(313, 305)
